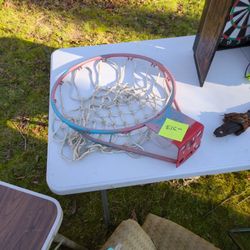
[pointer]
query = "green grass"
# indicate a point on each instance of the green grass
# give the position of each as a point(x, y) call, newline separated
point(29, 32)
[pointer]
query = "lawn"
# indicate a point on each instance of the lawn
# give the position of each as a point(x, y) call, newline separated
point(30, 30)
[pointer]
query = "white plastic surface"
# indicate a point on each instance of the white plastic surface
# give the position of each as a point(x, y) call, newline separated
point(225, 90)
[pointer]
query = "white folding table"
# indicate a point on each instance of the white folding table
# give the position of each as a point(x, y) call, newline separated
point(225, 90)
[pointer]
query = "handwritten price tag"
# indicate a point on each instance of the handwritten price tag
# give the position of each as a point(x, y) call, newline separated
point(173, 130)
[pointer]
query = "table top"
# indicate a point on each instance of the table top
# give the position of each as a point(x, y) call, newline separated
point(29, 220)
point(224, 91)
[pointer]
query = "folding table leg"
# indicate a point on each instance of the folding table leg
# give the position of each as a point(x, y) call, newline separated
point(234, 231)
point(62, 240)
point(105, 206)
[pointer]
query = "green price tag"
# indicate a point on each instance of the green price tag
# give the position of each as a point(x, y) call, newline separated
point(173, 130)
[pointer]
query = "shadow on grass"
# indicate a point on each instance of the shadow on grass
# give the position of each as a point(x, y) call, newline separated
point(124, 16)
point(25, 93)
point(24, 81)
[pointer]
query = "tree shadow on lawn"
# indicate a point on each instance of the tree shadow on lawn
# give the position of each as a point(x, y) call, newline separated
point(24, 97)
point(124, 16)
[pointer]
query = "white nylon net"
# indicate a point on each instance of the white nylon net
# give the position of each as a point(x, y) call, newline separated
point(106, 94)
